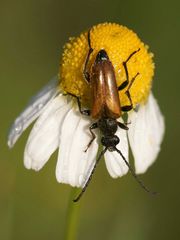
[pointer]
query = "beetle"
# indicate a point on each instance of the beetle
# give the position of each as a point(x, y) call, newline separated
point(106, 107)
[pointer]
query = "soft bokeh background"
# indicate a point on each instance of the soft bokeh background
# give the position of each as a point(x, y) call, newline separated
point(33, 205)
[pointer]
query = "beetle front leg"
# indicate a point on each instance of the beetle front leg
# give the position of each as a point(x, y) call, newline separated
point(122, 125)
point(93, 126)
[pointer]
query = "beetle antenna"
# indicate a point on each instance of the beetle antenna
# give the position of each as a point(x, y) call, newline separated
point(134, 174)
point(91, 174)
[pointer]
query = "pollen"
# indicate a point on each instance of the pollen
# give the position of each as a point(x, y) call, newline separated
point(119, 42)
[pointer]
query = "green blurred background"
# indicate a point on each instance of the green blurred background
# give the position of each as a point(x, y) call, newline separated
point(33, 205)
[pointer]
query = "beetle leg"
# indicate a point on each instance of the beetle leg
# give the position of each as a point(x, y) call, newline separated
point(129, 107)
point(93, 126)
point(85, 71)
point(122, 125)
point(82, 111)
point(125, 83)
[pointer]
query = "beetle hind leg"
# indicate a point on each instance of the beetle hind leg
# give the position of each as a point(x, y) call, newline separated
point(129, 107)
point(126, 82)
point(85, 71)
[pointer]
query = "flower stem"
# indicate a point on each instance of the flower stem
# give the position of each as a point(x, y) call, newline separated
point(72, 217)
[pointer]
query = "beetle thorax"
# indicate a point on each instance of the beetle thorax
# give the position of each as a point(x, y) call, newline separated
point(107, 126)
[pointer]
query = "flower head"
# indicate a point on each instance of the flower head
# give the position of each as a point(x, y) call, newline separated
point(60, 125)
point(119, 42)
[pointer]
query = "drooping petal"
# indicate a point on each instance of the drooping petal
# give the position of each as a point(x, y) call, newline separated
point(114, 162)
point(145, 134)
point(32, 111)
point(74, 164)
point(44, 137)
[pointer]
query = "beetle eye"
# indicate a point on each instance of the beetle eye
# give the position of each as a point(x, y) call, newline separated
point(116, 140)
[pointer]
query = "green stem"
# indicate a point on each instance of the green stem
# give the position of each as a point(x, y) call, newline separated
point(72, 217)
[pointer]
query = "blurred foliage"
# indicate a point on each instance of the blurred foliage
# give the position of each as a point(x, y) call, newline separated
point(33, 205)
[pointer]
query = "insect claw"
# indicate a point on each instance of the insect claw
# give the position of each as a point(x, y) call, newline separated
point(86, 150)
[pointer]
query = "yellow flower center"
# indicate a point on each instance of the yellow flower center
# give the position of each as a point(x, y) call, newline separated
point(119, 42)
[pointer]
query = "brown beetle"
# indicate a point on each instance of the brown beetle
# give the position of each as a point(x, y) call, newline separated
point(105, 96)
point(106, 107)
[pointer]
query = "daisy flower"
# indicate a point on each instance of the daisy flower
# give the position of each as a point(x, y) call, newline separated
point(60, 125)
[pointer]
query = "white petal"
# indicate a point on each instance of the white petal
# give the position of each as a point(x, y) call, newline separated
point(114, 162)
point(74, 165)
point(32, 111)
point(44, 137)
point(146, 133)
